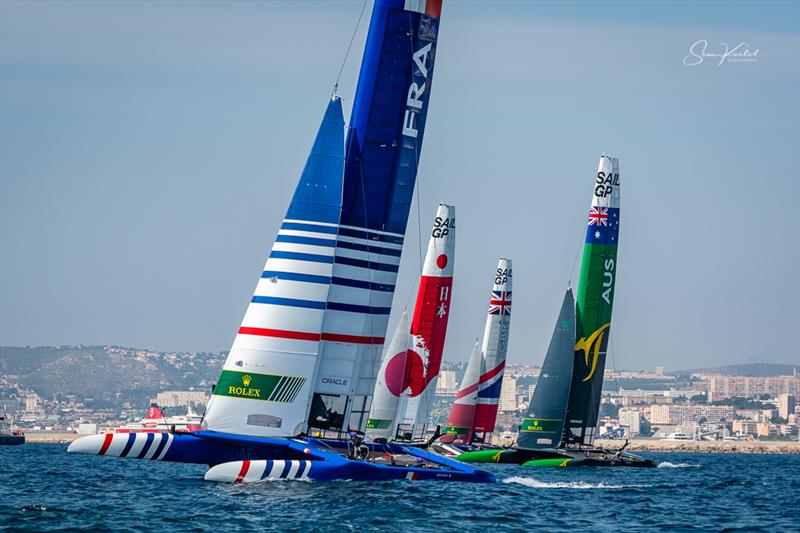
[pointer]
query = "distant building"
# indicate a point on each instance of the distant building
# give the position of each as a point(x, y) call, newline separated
point(531, 389)
point(786, 405)
point(631, 420)
point(508, 395)
point(176, 398)
point(659, 371)
point(681, 414)
point(721, 387)
point(745, 427)
point(447, 382)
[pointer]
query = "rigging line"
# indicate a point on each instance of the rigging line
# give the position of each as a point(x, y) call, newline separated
point(349, 46)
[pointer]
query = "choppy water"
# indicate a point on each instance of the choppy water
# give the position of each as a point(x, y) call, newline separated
point(44, 489)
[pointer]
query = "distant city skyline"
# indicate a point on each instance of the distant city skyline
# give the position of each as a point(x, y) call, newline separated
point(148, 152)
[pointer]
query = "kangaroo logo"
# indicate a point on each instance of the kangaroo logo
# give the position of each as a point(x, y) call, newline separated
point(595, 339)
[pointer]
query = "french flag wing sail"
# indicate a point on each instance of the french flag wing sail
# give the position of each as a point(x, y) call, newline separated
point(429, 324)
point(389, 385)
point(462, 416)
point(266, 380)
point(383, 148)
point(495, 347)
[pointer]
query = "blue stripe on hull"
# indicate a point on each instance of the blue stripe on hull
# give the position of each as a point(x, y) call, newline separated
point(147, 444)
point(128, 445)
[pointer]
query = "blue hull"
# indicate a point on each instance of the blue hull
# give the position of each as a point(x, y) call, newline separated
point(237, 459)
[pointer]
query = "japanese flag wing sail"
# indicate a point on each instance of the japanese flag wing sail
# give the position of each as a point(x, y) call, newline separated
point(265, 382)
point(429, 324)
point(462, 416)
point(543, 425)
point(495, 347)
point(389, 384)
point(594, 302)
point(383, 147)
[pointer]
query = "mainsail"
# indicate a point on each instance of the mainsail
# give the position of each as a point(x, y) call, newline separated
point(405, 387)
point(495, 347)
point(308, 350)
point(543, 426)
point(462, 416)
point(594, 302)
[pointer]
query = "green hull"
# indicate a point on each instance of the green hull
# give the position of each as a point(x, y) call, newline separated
point(480, 456)
point(560, 461)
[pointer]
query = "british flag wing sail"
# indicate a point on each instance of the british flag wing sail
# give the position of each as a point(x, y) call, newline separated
point(495, 347)
point(462, 416)
point(308, 350)
point(429, 323)
point(389, 385)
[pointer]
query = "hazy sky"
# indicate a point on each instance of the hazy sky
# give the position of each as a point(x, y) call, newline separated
point(148, 152)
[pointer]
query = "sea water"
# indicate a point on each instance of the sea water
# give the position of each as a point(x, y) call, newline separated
point(42, 488)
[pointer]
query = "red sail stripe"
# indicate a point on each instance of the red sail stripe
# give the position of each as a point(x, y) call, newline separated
point(467, 391)
point(280, 333)
point(106, 444)
point(243, 471)
point(433, 8)
point(354, 339)
point(305, 336)
point(493, 372)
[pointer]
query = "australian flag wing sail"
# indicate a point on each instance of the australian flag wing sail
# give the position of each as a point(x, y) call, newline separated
point(595, 299)
point(543, 425)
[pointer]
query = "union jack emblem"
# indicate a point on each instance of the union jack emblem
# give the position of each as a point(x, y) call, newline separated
point(500, 303)
point(598, 216)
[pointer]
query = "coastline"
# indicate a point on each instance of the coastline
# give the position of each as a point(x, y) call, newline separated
point(705, 446)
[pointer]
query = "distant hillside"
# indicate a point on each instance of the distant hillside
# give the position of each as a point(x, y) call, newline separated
point(747, 369)
point(109, 375)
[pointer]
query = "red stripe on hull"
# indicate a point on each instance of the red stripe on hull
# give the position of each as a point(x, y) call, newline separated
point(106, 444)
point(243, 471)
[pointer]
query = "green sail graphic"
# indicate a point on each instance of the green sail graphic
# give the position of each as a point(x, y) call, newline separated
point(595, 298)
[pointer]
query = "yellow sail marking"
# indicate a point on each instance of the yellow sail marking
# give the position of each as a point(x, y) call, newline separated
point(585, 344)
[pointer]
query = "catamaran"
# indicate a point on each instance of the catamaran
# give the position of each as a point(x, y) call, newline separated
point(410, 367)
point(474, 413)
point(306, 356)
point(559, 427)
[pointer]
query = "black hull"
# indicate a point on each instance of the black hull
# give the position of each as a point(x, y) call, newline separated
point(562, 457)
point(12, 440)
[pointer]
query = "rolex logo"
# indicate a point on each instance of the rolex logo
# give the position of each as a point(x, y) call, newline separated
point(535, 422)
point(246, 380)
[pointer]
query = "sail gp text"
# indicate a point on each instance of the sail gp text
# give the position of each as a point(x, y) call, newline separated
point(416, 92)
point(442, 227)
point(605, 184)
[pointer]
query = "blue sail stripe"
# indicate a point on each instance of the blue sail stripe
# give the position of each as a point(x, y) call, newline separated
point(368, 248)
point(365, 309)
point(296, 239)
point(347, 282)
point(128, 445)
point(147, 445)
point(333, 230)
point(295, 276)
point(297, 256)
point(289, 302)
point(368, 235)
point(372, 265)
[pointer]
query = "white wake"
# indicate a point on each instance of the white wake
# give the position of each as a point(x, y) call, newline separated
point(667, 464)
point(536, 484)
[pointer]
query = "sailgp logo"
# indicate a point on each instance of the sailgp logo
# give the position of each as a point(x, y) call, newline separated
point(591, 348)
point(416, 92)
